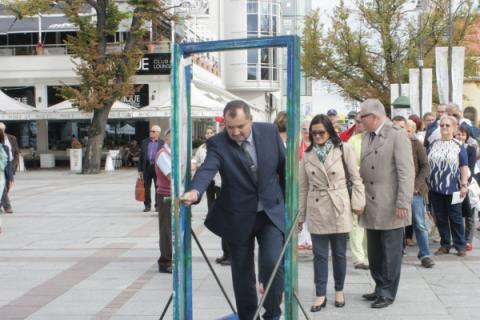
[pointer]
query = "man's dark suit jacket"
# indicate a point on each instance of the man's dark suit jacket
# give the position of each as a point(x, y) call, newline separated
point(234, 213)
point(143, 162)
point(15, 152)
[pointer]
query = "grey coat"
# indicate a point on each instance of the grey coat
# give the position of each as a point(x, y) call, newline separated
point(388, 173)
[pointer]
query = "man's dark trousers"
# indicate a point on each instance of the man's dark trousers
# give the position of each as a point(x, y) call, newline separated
point(270, 240)
point(148, 176)
point(165, 231)
point(385, 253)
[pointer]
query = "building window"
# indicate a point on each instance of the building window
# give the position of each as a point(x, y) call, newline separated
point(262, 21)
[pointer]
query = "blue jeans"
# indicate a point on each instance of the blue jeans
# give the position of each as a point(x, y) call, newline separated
point(419, 226)
point(449, 221)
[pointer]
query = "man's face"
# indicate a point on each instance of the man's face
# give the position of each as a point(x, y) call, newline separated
point(238, 128)
point(441, 110)
point(359, 126)
point(368, 120)
point(333, 119)
point(411, 131)
point(154, 133)
point(428, 121)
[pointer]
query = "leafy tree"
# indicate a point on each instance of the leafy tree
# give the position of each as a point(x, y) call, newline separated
point(361, 50)
point(104, 76)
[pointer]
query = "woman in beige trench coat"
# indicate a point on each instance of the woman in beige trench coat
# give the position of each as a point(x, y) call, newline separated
point(326, 206)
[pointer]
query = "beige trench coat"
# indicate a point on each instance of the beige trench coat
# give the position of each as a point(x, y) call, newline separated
point(388, 173)
point(324, 200)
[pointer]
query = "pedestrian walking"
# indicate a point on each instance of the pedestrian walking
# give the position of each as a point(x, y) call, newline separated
point(388, 173)
point(422, 169)
point(326, 170)
point(448, 176)
point(6, 173)
point(463, 136)
point(14, 157)
point(358, 235)
point(251, 160)
point(213, 191)
point(146, 165)
point(163, 171)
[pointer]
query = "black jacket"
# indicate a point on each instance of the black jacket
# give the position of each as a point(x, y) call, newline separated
point(143, 163)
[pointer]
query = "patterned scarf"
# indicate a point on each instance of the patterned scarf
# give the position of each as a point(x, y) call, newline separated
point(323, 150)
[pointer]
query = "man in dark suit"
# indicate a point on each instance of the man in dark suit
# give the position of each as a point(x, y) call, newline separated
point(14, 156)
point(146, 165)
point(250, 158)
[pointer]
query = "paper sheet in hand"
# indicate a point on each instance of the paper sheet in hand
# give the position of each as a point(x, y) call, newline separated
point(456, 198)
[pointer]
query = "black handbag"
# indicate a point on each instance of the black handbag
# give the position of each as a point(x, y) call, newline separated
point(347, 174)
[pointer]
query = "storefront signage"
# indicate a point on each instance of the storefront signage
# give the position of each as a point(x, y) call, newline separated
point(154, 63)
point(138, 99)
point(25, 95)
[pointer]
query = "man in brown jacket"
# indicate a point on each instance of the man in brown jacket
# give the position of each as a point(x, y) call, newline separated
point(388, 174)
point(422, 168)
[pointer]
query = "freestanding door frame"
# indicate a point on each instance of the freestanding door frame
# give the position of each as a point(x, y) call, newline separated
point(181, 150)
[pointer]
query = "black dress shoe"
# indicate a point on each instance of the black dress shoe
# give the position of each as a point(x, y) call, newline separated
point(165, 269)
point(147, 209)
point(370, 296)
point(381, 302)
point(315, 308)
point(226, 262)
point(222, 258)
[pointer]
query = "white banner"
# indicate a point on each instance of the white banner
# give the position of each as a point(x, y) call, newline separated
point(414, 89)
point(458, 63)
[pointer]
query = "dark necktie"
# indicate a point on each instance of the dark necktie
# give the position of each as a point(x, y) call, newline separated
point(372, 136)
point(251, 163)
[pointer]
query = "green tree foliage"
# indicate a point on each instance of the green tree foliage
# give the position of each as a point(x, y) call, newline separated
point(363, 46)
point(104, 76)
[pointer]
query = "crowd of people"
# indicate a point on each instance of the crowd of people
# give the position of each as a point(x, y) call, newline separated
point(378, 186)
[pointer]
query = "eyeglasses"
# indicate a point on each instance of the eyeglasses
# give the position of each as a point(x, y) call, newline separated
point(154, 131)
point(305, 129)
point(445, 125)
point(318, 133)
point(363, 116)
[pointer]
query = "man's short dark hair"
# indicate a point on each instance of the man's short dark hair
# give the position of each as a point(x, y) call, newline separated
point(399, 118)
point(232, 107)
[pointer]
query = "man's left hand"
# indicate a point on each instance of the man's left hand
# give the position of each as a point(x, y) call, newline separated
point(401, 213)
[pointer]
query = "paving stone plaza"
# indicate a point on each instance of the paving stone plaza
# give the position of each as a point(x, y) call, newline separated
point(80, 247)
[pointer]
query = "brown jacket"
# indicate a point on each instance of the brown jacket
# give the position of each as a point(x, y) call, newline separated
point(324, 201)
point(15, 152)
point(388, 174)
point(422, 168)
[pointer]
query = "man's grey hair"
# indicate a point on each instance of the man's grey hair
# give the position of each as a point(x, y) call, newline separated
point(453, 106)
point(2, 126)
point(373, 106)
point(156, 128)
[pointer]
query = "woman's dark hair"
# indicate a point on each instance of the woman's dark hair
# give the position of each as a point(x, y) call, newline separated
point(323, 119)
point(2, 137)
point(461, 129)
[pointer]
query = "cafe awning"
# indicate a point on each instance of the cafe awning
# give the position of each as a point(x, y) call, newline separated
point(50, 23)
point(12, 109)
point(65, 110)
point(207, 101)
